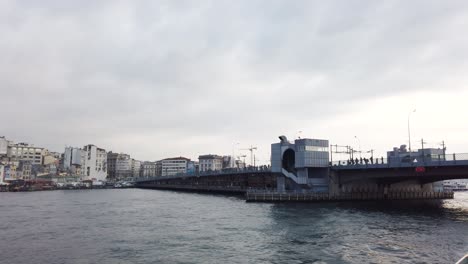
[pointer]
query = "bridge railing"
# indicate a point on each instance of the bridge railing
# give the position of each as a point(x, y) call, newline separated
point(228, 171)
point(408, 161)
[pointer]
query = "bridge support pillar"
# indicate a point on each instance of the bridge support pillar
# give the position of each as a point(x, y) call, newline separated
point(280, 183)
point(334, 188)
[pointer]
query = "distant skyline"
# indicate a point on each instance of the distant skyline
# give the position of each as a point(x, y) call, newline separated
point(158, 79)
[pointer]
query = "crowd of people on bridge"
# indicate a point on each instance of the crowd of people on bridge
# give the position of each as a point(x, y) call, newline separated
point(364, 161)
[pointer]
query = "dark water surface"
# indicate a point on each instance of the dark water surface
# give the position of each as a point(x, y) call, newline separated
point(149, 226)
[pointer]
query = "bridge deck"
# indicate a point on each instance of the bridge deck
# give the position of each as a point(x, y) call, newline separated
point(252, 170)
point(437, 161)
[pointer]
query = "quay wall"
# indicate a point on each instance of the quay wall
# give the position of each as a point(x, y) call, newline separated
point(324, 197)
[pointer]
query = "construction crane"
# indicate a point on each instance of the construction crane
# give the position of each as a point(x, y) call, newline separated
point(251, 149)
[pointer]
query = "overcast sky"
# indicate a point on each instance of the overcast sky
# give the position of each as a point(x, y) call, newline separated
point(157, 79)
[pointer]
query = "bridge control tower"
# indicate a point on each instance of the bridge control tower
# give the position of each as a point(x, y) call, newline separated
point(302, 165)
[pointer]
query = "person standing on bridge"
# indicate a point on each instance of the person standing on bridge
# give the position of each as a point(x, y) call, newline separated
point(372, 160)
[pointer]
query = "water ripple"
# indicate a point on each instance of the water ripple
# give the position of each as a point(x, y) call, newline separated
point(147, 226)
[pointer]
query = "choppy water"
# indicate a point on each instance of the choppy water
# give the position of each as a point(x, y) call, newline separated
point(149, 226)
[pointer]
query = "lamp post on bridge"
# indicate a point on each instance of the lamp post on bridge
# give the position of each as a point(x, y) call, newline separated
point(409, 131)
point(359, 142)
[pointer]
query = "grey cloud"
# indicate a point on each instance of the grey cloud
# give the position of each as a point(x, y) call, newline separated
point(108, 71)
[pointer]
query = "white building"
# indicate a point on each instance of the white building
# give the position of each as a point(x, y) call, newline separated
point(95, 163)
point(2, 172)
point(3, 146)
point(210, 162)
point(149, 169)
point(24, 151)
point(173, 166)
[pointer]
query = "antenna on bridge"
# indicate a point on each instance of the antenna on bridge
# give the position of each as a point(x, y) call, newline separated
point(341, 150)
point(443, 148)
point(251, 149)
point(422, 148)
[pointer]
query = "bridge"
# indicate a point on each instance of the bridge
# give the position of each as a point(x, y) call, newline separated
point(428, 170)
point(302, 172)
point(236, 181)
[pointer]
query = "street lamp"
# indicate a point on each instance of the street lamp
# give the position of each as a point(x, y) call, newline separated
point(359, 142)
point(299, 134)
point(409, 131)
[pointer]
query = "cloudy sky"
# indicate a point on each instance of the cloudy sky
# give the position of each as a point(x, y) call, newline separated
point(165, 78)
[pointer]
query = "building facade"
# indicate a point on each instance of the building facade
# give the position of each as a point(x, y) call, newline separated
point(123, 166)
point(25, 151)
point(2, 172)
point(111, 165)
point(24, 170)
point(149, 169)
point(173, 166)
point(73, 161)
point(3, 146)
point(402, 155)
point(210, 162)
point(95, 163)
point(136, 168)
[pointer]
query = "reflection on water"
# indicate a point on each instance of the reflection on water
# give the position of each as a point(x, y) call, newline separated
point(398, 232)
point(148, 226)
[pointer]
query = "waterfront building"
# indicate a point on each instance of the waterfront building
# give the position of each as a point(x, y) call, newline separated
point(123, 166)
point(136, 167)
point(173, 166)
point(73, 161)
point(149, 169)
point(10, 171)
point(2, 172)
point(25, 151)
point(24, 170)
point(402, 155)
point(50, 158)
point(111, 165)
point(191, 167)
point(158, 168)
point(228, 162)
point(95, 163)
point(210, 162)
point(3, 146)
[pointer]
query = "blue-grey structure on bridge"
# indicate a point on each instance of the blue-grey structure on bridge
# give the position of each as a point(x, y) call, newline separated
point(304, 166)
point(305, 163)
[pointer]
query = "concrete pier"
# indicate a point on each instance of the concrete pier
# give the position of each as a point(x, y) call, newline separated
point(325, 197)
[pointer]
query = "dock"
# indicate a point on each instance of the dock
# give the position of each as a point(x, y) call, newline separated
point(325, 197)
